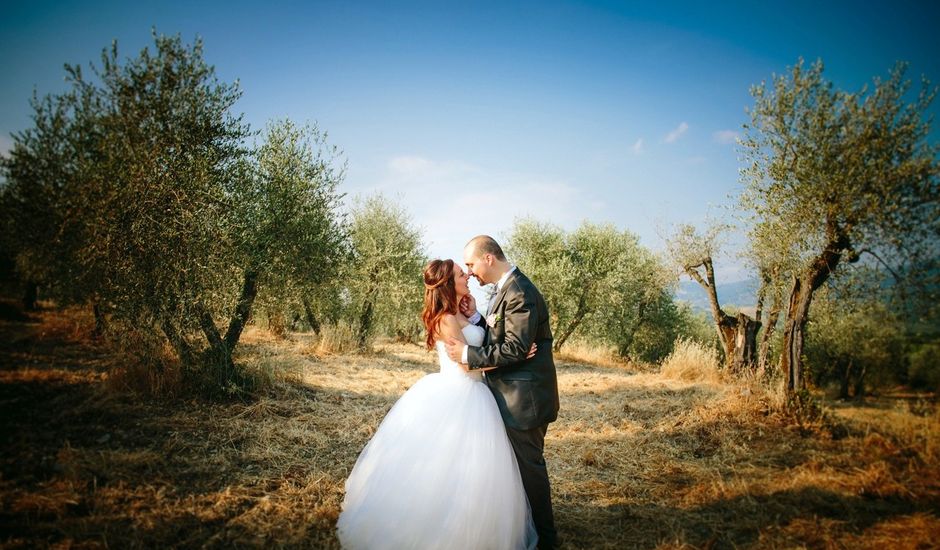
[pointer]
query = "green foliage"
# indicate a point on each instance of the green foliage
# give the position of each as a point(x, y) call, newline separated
point(924, 370)
point(170, 153)
point(600, 283)
point(644, 327)
point(130, 170)
point(865, 335)
point(288, 224)
point(42, 178)
point(823, 162)
point(854, 342)
point(135, 190)
point(383, 284)
point(286, 220)
point(696, 326)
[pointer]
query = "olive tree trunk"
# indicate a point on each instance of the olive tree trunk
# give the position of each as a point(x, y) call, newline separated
point(311, 318)
point(366, 316)
point(219, 353)
point(801, 297)
point(738, 335)
point(575, 322)
point(770, 328)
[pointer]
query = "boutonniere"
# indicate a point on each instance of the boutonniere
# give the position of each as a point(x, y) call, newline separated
point(493, 318)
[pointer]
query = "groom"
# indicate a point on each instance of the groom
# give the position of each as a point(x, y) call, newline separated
point(525, 390)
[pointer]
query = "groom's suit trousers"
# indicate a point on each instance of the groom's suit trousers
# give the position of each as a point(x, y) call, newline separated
point(529, 446)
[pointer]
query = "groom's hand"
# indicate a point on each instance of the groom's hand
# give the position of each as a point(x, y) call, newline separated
point(454, 349)
point(468, 305)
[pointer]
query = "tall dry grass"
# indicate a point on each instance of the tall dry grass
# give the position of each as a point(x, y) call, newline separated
point(692, 361)
point(337, 339)
point(581, 351)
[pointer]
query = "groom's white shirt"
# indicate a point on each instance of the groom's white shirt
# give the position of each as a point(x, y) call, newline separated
point(475, 318)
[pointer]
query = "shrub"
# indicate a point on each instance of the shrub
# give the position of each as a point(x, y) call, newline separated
point(924, 369)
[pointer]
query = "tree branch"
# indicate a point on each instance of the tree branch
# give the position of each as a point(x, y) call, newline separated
point(894, 273)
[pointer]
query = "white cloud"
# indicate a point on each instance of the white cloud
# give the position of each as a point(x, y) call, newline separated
point(409, 165)
point(452, 201)
point(638, 147)
point(725, 136)
point(674, 135)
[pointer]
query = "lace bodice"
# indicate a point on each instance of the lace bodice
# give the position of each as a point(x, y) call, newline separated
point(474, 335)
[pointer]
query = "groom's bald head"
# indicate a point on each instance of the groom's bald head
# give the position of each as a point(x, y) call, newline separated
point(484, 244)
point(485, 259)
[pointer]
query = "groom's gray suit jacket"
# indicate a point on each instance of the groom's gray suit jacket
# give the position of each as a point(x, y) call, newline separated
point(526, 390)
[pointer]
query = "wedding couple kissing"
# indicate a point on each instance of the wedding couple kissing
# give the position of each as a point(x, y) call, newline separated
point(457, 463)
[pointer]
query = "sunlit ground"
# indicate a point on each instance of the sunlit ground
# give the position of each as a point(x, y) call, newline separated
point(637, 460)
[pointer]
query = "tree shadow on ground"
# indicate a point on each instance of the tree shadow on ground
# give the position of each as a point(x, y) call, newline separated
point(739, 522)
point(71, 444)
point(156, 464)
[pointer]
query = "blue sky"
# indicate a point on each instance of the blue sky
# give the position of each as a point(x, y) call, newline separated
point(474, 114)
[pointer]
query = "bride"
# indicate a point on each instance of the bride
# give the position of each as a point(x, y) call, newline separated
point(439, 471)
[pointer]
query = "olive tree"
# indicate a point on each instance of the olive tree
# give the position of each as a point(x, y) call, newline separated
point(287, 232)
point(40, 199)
point(693, 252)
point(384, 278)
point(599, 282)
point(150, 201)
point(130, 167)
point(578, 269)
point(834, 175)
point(642, 319)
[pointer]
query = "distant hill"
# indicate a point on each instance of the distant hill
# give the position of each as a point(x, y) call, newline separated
point(742, 294)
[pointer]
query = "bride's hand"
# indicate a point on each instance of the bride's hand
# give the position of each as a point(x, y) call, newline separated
point(532, 351)
point(468, 305)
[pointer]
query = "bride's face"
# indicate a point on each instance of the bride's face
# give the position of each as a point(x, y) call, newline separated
point(460, 281)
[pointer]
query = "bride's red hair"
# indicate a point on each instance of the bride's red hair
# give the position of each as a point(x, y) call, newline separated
point(440, 296)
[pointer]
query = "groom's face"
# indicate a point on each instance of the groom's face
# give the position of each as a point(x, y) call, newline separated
point(479, 266)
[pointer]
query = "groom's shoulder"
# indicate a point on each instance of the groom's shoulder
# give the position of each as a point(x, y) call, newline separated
point(523, 283)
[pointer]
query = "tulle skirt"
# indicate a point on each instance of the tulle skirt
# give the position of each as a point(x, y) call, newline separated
point(438, 473)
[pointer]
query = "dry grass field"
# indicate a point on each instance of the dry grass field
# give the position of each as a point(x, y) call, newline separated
point(640, 458)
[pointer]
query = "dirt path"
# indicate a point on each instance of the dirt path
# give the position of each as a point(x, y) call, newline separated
point(637, 460)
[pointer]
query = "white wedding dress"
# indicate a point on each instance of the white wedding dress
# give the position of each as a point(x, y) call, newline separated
point(439, 471)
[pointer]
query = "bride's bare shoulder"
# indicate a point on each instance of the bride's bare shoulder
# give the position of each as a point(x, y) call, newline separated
point(450, 326)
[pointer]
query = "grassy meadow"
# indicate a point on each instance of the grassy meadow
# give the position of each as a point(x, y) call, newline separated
point(641, 457)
